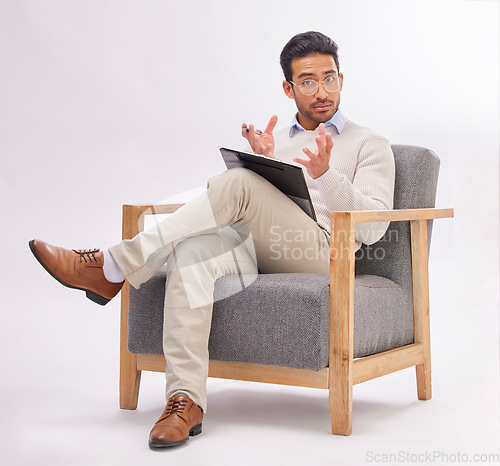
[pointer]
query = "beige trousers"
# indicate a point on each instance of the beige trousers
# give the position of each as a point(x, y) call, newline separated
point(240, 225)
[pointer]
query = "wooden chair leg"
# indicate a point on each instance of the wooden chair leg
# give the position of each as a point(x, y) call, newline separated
point(424, 387)
point(341, 323)
point(130, 377)
point(340, 398)
point(420, 269)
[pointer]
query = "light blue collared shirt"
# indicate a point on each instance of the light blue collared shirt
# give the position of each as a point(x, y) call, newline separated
point(338, 120)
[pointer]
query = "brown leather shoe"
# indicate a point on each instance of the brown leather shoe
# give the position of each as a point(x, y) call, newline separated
point(182, 418)
point(79, 269)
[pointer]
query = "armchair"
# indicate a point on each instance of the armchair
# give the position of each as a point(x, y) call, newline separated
point(367, 318)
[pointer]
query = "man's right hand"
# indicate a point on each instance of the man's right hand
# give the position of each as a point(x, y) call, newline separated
point(261, 143)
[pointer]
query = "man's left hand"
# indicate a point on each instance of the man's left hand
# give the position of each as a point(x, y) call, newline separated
point(318, 162)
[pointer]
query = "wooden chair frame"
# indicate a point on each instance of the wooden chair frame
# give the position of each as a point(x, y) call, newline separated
point(343, 371)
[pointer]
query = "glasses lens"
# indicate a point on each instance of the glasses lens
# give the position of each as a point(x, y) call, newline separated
point(332, 84)
point(309, 87)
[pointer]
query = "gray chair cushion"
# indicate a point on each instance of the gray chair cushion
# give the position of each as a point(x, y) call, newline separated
point(282, 319)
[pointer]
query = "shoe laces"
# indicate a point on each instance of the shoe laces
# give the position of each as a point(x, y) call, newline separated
point(174, 407)
point(87, 255)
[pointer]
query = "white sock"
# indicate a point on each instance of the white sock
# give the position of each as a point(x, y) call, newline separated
point(110, 268)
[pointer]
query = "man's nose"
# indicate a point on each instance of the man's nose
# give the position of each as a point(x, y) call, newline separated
point(321, 93)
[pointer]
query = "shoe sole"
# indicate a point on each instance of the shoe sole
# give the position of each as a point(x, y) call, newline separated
point(193, 432)
point(90, 294)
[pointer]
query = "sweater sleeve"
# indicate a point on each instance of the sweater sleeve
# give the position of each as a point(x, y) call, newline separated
point(371, 189)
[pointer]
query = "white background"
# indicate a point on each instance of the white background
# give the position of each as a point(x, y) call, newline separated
point(111, 102)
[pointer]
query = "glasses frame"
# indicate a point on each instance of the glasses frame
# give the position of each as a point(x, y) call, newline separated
point(338, 79)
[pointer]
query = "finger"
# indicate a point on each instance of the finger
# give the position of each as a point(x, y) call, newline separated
point(244, 131)
point(322, 130)
point(251, 134)
point(321, 143)
point(303, 162)
point(310, 154)
point(272, 123)
point(329, 142)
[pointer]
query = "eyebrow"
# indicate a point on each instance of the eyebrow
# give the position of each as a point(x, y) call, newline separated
point(305, 74)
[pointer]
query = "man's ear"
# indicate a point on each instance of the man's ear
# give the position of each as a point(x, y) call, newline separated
point(287, 87)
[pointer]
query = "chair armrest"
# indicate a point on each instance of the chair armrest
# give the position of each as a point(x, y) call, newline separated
point(343, 235)
point(362, 216)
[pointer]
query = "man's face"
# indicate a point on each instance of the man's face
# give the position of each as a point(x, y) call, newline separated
point(321, 106)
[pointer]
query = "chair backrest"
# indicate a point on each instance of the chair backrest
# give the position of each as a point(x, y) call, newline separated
point(417, 170)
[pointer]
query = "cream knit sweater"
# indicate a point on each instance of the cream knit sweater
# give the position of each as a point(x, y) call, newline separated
point(360, 177)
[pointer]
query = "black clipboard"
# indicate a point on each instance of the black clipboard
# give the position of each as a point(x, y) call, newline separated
point(289, 179)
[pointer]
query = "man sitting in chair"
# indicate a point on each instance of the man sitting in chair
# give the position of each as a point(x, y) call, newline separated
point(346, 166)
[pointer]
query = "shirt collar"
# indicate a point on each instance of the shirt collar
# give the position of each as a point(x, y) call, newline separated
point(338, 120)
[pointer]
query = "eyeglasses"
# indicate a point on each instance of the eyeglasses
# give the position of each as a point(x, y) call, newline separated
point(310, 86)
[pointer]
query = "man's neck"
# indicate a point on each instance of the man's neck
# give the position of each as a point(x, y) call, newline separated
point(338, 120)
point(308, 125)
